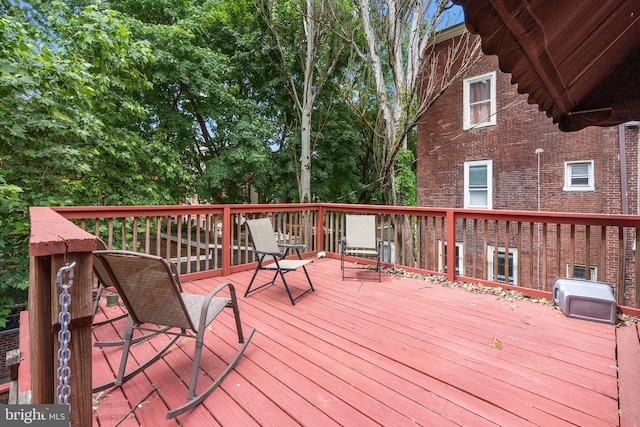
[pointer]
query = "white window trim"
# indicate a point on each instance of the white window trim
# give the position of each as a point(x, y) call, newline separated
point(593, 271)
point(459, 264)
point(567, 177)
point(467, 195)
point(466, 115)
point(490, 255)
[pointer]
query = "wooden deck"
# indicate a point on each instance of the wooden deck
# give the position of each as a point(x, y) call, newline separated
point(401, 352)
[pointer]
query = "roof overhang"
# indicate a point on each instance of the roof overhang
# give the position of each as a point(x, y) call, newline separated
point(579, 61)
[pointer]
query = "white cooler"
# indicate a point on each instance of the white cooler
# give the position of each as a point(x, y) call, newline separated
point(584, 299)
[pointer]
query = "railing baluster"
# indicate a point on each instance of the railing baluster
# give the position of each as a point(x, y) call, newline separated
point(439, 230)
point(519, 248)
point(123, 232)
point(179, 242)
point(545, 250)
point(147, 235)
point(207, 242)
point(237, 233)
point(572, 253)
point(495, 250)
point(110, 234)
point(189, 224)
point(587, 253)
point(168, 254)
point(507, 236)
point(134, 234)
point(533, 246)
point(414, 238)
point(603, 253)
point(636, 257)
point(621, 266)
point(473, 249)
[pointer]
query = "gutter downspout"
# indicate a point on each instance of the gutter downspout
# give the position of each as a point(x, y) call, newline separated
point(622, 142)
point(624, 200)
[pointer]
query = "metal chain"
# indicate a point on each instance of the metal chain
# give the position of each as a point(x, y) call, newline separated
point(64, 279)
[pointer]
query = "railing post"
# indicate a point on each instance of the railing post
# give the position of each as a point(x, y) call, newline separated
point(319, 230)
point(451, 245)
point(55, 242)
point(41, 344)
point(227, 250)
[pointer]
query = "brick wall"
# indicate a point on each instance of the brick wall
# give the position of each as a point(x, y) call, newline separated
point(9, 340)
point(521, 128)
point(443, 147)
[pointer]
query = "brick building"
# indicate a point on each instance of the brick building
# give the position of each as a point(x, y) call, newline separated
point(483, 146)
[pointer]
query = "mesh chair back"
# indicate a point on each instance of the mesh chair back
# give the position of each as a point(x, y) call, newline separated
point(147, 287)
point(262, 235)
point(361, 231)
point(100, 245)
point(99, 268)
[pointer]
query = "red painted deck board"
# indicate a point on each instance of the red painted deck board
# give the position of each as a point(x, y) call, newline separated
point(629, 374)
point(400, 352)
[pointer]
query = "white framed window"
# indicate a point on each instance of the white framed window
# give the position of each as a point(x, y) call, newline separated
point(578, 176)
point(442, 258)
point(502, 264)
point(579, 272)
point(478, 184)
point(479, 101)
point(389, 252)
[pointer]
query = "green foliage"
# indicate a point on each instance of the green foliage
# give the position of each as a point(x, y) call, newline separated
point(13, 274)
point(338, 152)
point(125, 102)
point(69, 126)
point(406, 183)
point(201, 103)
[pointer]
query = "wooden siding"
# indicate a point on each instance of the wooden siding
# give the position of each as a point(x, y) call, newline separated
point(401, 352)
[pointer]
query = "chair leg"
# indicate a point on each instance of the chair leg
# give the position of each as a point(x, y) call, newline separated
point(197, 355)
point(369, 275)
point(199, 398)
point(286, 286)
point(122, 376)
point(196, 365)
point(96, 302)
point(128, 335)
point(255, 273)
point(133, 340)
point(236, 313)
point(110, 320)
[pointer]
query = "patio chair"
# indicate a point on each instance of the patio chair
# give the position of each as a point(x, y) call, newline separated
point(153, 295)
point(360, 240)
point(101, 287)
point(104, 284)
point(271, 256)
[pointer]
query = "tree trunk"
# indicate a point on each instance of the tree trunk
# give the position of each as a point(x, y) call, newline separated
point(305, 157)
point(409, 30)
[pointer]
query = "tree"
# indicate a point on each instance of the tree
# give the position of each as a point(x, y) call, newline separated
point(307, 70)
point(202, 101)
point(68, 121)
point(399, 38)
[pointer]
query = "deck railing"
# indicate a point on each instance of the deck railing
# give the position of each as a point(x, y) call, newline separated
point(528, 250)
point(520, 250)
